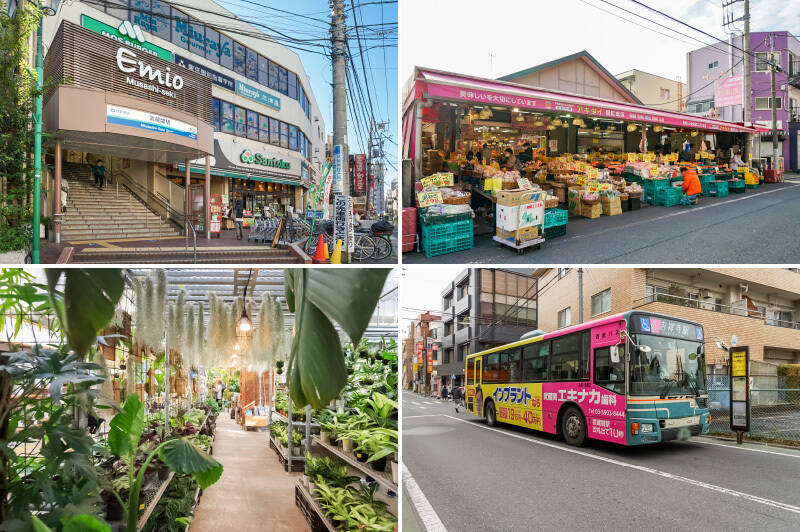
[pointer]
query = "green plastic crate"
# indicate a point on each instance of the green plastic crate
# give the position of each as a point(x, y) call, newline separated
point(750, 186)
point(555, 231)
point(719, 188)
point(738, 183)
point(442, 247)
point(555, 217)
point(651, 185)
point(668, 197)
point(447, 237)
point(430, 219)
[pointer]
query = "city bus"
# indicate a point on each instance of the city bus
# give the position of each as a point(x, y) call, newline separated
point(632, 378)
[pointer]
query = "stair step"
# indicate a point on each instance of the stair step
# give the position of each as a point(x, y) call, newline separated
point(204, 256)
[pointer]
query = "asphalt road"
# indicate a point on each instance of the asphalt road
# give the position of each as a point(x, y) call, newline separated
point(760, 227)
point(478, 478)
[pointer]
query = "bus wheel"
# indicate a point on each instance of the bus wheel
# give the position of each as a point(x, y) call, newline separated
point(491, 414)
point(573, 427)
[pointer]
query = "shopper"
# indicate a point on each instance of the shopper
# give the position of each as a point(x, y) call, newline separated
point(511, 160)
point(99, 172)
point(527, 153)
point(736, 160)
point(691, 185)
point(218, 393)
point(444, 392)
point(486, 153)
point(238, 212)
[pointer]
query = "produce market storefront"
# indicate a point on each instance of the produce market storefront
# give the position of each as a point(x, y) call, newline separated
point(459, 128)
point(123, 102)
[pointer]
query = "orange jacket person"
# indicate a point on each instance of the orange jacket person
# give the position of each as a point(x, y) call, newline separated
point(691, 185)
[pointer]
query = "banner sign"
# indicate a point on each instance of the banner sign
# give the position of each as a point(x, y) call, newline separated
point(728, 91)
point(248, 91)
point(339, 157)
point(740, 389)
point(442, 179)
point(221, 80)
point(123, 116)
point(428, 197)
point(343, 222)
point(131, 37)
point(360, 173)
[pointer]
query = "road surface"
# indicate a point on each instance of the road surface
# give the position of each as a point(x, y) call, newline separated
point(758, 227)
point(478, 478)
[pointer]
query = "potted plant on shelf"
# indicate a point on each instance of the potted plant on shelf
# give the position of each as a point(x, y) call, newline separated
point(297, 440)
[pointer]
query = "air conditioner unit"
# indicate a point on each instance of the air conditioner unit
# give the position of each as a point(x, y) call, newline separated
point(705, 294)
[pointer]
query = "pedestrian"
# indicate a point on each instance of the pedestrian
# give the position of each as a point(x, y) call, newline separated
point(238, 213)
point(457, 397)
point(444, 392)
point(736, 160)
point(511, 160)
point(218, 393)
point(486, 154)
point(64, 194)
point(691, 185)
point(99, 172)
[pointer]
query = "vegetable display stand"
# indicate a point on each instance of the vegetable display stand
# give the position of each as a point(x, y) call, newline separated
point(447, 237)
point(555, 217)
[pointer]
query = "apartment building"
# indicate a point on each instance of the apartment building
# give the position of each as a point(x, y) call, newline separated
point(760, 306)
point(654, 90)
point(421, 348)
point(481, 308)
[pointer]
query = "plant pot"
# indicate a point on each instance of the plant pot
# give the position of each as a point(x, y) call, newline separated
point(297, 450)
point(163, 473)
point(361, 456)
point(305, 480)
point(311, 487)
point(347, 445)
point(113, 508)
point(394, 472)
point(325, 437)
point(379, 465)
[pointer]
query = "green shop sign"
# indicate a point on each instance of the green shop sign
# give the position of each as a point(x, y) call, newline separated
point(256, 158)
point(128, 34)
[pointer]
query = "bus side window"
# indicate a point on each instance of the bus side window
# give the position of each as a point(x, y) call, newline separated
point(509, 366)
point(491, 367)
point(606, 373)
point(535, 359)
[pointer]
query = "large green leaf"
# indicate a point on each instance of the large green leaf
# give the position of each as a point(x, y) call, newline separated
point(346, 296)
point(90, 296)
point(183, 456)
point(83, 523)
point(126, 427)
point(39, 526)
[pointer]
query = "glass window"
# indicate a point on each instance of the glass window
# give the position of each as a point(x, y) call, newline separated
point(239, 58)
point(240, 121)
point(274, 132)
point(601, 302)
point(282, 80)
point(610, 375)
point(293, 138)
point(227, 117)
point(510, 366)
point(180, 29)
point(252, 125)
point(263, 129)
point(252, 65)
point(273, 76)
point(225, 51)
point(140, 13)
point(212, 45)
point(215, 104)
point(762, 61)
point(491, 367)
point(263, 70)
point(197, 37)
point(570, 357)
point(284, 135)
point(564, 317)
point(119, 12)
point(671, 367)
point(535, 361)
point(301, 96)
point(292, 85)
point(160, 26)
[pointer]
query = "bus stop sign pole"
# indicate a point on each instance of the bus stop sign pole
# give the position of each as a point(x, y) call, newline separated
point(740, 391)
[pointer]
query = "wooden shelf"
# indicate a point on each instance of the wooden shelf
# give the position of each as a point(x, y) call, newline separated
point(310, 503)
point(383, 478)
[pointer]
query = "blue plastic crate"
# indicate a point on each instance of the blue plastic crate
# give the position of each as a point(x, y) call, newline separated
point(554, 217)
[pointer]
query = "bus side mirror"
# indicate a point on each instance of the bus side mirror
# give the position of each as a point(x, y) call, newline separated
point(614, 354)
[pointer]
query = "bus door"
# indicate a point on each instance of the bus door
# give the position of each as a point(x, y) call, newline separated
point(474, 367)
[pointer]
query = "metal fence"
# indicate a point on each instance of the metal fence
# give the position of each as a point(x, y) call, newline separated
point(774, 408)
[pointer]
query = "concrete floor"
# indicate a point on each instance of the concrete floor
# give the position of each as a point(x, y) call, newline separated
point(254, 492)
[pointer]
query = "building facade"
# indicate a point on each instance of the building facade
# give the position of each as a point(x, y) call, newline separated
point(655, 91)
point(482, 308)
point(178, 76)
point(420, 353)
point(761, 307)
point(715, 77)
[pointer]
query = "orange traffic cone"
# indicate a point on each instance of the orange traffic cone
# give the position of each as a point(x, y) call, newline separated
point(320, 253)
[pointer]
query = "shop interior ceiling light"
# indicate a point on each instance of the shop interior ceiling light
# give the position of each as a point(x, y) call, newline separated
point(556, 122)
point(631, 128)
point(551, 127)
point(538, 123)
point(694, 133)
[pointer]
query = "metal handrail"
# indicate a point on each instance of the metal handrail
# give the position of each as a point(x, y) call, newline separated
point(702, 305)
point(186, 240)
point(144, 195)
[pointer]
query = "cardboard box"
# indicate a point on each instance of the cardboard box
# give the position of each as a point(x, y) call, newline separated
point(591, 211)
point(574, 205)
point(511, 218)
point(519, 236)
point(611, 206)
point(518, 196)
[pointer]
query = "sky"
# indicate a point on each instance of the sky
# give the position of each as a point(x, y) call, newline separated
point(460, 36)
point(422, 290)
point(381, 64)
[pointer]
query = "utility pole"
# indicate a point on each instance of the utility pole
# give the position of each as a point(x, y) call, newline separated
point(580, 295)
point(747, 68)
point(339, 55)
point(774, 104)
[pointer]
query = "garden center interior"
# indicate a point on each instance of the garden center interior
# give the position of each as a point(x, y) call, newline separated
point(244, 399)
point(592, 157)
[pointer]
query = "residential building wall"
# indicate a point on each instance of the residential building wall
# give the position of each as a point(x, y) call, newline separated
point(655, 91)
point(715, 297)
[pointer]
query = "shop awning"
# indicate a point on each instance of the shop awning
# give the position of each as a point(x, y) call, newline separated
point(448, 86)
point(240, 175)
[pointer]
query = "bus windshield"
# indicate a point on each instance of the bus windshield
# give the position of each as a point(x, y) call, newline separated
point(672, 367)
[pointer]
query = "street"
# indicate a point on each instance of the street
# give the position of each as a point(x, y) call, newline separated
point(479, 478)
point(759, 226)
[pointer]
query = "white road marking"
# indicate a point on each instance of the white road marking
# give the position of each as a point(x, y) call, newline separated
point(422, 415)
point(423, 407)
point(713, 487)
point(415, 403)
point(737, 447)
point(427, 515)
point(429, 403)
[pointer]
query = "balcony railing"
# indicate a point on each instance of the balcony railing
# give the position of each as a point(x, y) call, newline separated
point(713, 307)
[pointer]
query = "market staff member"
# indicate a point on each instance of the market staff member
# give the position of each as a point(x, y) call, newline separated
point(511, 160)
point(736, 160)
point(691, 185)
point(527, 153)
